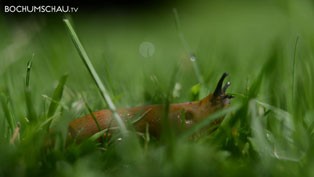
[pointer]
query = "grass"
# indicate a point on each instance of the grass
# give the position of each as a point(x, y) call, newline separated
point(100, 85)
point(266, 47)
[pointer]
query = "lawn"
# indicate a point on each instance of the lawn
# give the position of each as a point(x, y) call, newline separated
point(161, 56)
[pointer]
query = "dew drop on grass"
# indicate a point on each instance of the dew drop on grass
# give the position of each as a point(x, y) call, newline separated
point(192, 58)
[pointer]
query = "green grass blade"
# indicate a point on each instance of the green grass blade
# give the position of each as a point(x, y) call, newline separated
point(167, 132)
point(7, 113)
point(99, 134)
point(187, 47)
point(57, 95)
point(256, 85)
point(282, 115)
point(95, 76)
point(293, 69)
point(205, 122)
point(32, 117)
point(47, 121)
point(147, 136)
point(93, 116)
point(139, 116)
point(259, 141)
point(28, 72)
point(48, 99)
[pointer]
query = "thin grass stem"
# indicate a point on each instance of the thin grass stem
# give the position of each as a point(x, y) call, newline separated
point(101, 87)
point(187, 47)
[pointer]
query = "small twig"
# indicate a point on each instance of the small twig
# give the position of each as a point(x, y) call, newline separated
point(16, 133)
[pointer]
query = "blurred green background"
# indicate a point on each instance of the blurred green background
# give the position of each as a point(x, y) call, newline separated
point(267, 47)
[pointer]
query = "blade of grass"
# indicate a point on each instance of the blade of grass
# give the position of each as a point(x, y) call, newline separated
point(92, 114)
point(107, 77)
point(32, 117)
point(187, 47)
point(167, 131)
point(57, 95)
point(139, 116)
point(281, 115)
point(48, 120)
point(7, 113)
point(203, 123)
point(28, 72)
point(48, 99)
point(101, 133)
point(259, 140)
point(256, 85)
point(147, 136)
point(293, 67)
point(93, 73)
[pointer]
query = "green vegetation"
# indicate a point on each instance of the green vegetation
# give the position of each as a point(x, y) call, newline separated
point(266, 47)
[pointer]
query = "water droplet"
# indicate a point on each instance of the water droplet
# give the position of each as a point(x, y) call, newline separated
point(188, 122)
point(176, 90)
point(192, 58)
point(147, 49)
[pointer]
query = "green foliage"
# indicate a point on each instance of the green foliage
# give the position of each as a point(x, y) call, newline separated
point(7, 113)
point(268, 130)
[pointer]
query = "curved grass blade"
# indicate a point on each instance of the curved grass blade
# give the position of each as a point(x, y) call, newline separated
point(139, 116)
point(101, 133)
point(205, 122)
point(282, 115)
point(102, 89)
